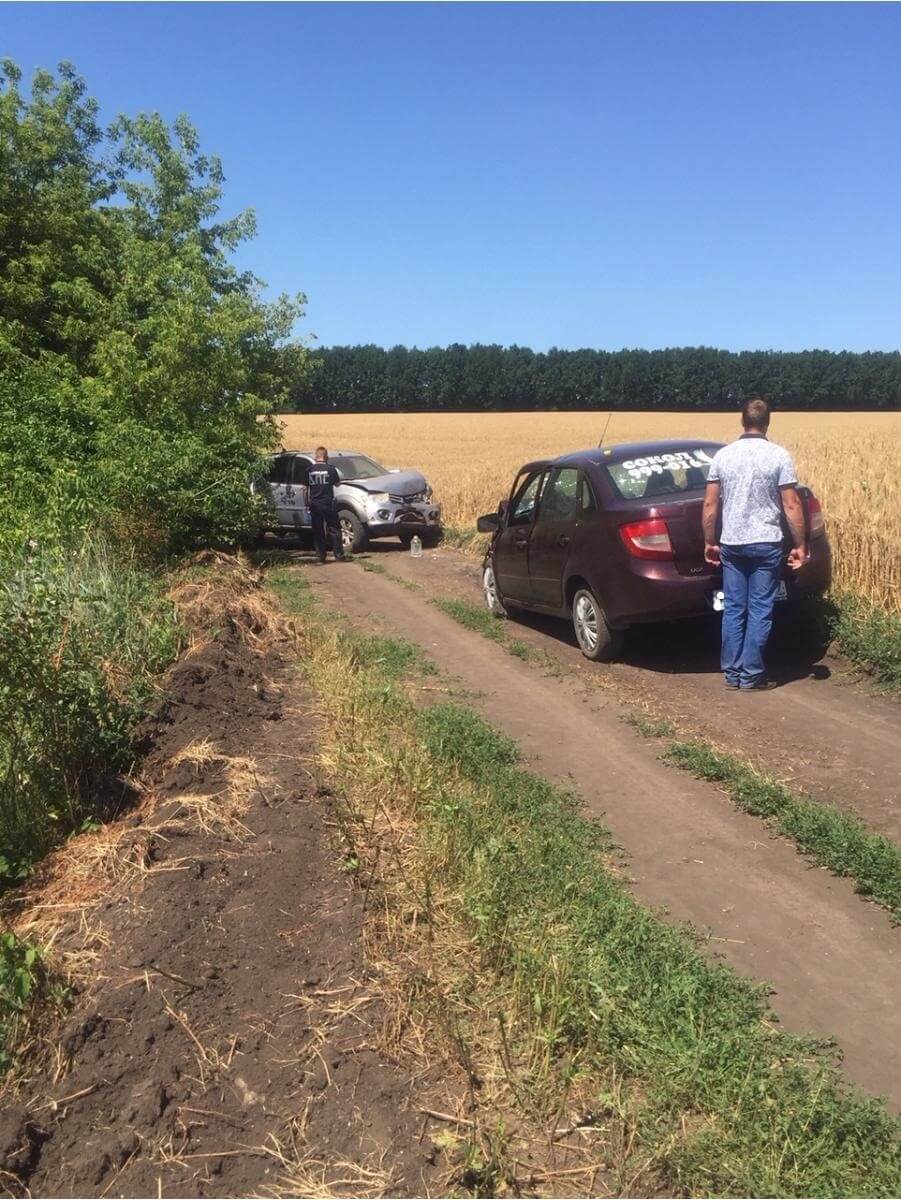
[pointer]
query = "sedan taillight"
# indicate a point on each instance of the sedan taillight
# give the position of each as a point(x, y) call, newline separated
point(647, 539)
point(816, 522)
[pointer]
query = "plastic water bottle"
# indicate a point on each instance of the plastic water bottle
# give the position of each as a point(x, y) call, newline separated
point(416, 546)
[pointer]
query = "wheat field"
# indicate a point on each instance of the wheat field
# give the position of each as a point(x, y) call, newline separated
point(851, 460)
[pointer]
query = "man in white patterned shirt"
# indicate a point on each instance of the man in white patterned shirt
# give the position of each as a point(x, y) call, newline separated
point(755, 482)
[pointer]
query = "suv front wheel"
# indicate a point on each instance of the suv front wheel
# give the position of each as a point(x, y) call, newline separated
point(596, 639)
point(353, 531)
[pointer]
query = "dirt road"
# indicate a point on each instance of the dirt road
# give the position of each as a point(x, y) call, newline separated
point(832, 958)
point(820, 730)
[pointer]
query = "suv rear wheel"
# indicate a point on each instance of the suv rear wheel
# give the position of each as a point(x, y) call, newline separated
point(596, 639)
point(353, 531)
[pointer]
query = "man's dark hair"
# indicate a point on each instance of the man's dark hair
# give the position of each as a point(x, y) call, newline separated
point(755, 413)
point(322, 453)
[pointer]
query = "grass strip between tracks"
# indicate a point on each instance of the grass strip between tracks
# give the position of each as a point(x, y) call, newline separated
point(479, 620)
point(833, 838)
point(603, 998)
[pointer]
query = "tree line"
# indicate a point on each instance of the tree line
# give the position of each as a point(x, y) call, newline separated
point(491, 377)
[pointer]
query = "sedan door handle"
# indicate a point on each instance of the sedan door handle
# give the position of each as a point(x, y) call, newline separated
point(521, 543)
point(563, 539)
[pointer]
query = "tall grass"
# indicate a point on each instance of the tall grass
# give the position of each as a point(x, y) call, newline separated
point(851, 460)
point(82, 632)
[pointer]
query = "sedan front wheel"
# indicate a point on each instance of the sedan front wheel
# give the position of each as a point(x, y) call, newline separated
point(493, 600)
point(596, 639)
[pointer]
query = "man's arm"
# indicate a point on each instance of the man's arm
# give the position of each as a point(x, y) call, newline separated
point(794, 515)
point(708, 522)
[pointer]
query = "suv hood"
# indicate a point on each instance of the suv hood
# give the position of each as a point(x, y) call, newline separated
point(398, 483)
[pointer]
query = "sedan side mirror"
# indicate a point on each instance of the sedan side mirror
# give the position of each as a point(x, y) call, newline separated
point(489, 523)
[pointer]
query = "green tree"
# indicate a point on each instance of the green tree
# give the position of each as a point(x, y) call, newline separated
point(137, 365)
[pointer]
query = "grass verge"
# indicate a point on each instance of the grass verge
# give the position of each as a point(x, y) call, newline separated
point(869, 636)
point(474, 617)
point(676, 1062)
point(83, 634)
point(466, 538)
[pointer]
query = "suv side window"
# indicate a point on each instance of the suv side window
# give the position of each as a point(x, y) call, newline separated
point(527, 495)
point(560, 499)
point(280, 470)
point(299, 469)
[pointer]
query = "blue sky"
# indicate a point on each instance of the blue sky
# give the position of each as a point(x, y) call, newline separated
point(572, 175)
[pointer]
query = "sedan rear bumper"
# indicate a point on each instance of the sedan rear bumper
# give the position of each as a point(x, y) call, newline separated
point(656, 591)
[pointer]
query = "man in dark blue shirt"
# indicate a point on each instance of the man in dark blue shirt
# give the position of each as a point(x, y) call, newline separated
point(321, 479)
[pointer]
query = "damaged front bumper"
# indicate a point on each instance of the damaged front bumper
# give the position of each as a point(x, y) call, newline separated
point(392, 518)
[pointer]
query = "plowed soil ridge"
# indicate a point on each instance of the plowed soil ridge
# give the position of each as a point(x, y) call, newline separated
point(229, 1036)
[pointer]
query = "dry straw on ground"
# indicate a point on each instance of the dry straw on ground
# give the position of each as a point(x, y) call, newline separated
point(852, 460)
point(222, 591)
point(60, 906)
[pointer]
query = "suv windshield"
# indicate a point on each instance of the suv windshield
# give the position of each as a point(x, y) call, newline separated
point(356, 466)
point(666, 474)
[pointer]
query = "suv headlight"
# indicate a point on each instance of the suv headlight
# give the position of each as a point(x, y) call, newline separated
point(428, 492)
point(379, 497)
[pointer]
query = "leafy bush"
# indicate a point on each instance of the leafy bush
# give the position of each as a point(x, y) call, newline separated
point(137, 364)
point(81, 634)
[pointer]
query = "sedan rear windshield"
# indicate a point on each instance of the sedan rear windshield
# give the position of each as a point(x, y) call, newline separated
point(666, 474)
point(356, 466)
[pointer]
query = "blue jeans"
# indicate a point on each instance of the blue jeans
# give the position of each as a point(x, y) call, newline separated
point(751, 577)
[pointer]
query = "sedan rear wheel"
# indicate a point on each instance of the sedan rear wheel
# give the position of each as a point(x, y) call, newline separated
point(596, 639)
point(493, 601)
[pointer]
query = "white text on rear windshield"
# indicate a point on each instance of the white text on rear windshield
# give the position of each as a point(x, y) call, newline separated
point(665, 474)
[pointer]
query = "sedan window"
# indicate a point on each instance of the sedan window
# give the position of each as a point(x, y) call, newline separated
point(588, 503)
point(665, 474)
point(527, 497)
point(560, 499)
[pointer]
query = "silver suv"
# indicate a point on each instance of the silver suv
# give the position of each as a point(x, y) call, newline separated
point(372, 502)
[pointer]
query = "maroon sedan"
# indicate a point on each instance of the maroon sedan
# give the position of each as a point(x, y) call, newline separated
point(612, 537)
